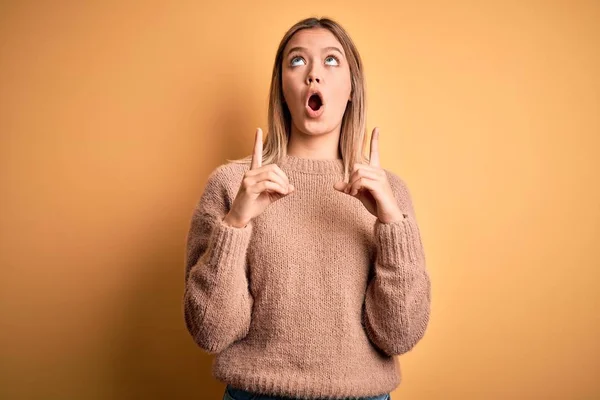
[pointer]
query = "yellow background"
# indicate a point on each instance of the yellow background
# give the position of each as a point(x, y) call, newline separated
point(112, 114)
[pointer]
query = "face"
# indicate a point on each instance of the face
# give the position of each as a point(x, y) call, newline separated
point(314, 59)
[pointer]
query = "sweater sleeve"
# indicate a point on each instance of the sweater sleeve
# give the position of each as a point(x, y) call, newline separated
point(217, 302)
point(397, 301)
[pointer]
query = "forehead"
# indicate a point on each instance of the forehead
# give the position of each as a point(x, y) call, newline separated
point(314, 39)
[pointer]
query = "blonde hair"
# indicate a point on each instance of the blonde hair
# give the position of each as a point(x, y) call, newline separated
point(353, 138)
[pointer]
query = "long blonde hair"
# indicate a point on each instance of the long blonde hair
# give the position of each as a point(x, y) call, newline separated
point(353, 138)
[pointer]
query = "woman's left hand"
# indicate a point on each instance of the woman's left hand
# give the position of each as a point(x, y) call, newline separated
point(369, 184)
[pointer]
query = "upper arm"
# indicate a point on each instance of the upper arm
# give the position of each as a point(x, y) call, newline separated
point(212, 207)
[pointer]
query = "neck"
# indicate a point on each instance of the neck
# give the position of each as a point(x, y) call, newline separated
point(316, 146)
point(312, 165)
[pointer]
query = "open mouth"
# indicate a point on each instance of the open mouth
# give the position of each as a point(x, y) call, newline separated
point(315, 102)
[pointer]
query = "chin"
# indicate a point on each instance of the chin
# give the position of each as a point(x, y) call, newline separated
point(315, 127)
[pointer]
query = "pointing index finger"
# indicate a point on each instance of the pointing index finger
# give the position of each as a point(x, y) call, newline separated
point(374, 156)
point(258, 149)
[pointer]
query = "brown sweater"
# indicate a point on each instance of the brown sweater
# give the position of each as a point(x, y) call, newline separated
point(315, 296)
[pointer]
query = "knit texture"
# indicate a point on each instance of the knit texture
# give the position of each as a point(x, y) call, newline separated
point(315, 296)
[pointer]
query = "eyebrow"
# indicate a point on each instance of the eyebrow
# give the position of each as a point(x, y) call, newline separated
point(330, 48)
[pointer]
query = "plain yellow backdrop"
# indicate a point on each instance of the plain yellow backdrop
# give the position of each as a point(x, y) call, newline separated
point(112, 115)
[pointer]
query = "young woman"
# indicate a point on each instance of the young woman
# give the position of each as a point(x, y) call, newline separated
point(305, 269)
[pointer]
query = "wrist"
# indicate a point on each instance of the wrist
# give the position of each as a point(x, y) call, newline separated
point(393, 219)
point(234, 222)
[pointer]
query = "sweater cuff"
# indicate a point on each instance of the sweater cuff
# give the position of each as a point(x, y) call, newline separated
point(397, 242)
point(228, 243)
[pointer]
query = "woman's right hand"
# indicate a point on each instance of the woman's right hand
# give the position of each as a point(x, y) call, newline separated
point(261, 186)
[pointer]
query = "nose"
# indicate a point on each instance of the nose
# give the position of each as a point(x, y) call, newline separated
point(314, 73)
point(312, 77)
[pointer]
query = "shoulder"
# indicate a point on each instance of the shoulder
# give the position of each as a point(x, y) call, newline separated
point(221, 187)
point(224, 180)
point(401, 190)
point(397, 183)
point(227, 174)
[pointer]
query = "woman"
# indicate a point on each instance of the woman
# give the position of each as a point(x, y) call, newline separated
point(305, 271)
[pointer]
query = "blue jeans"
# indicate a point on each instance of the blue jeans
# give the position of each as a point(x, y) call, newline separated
point(232, 393)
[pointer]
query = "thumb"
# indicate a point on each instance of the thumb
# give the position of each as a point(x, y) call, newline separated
point(341, 185)
point(278, 196)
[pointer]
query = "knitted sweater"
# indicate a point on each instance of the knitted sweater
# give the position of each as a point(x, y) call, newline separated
point(315, 296)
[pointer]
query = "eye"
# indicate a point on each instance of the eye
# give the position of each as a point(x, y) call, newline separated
point(294, 58)
point(337, 60)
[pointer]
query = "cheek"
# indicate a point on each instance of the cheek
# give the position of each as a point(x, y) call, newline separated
point(343, 86)
point(289, 89)
point(347, 86)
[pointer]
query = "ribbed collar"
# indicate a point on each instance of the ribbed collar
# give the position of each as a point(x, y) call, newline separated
point(311, 165)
